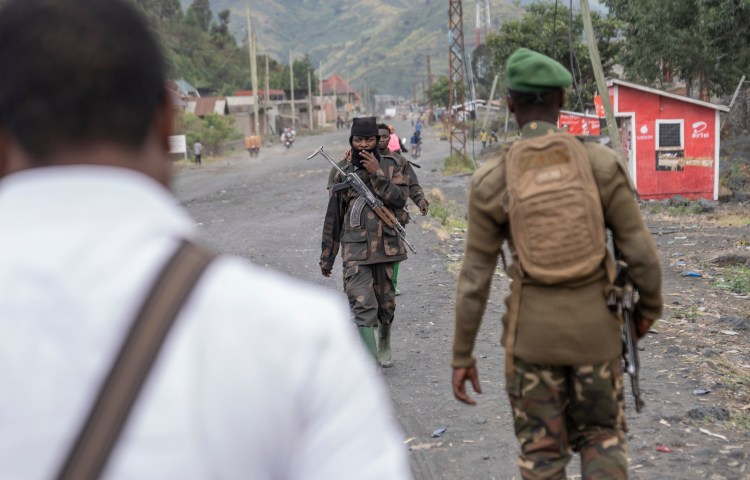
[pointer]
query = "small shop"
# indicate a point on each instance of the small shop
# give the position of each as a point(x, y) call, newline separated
point(671, 142)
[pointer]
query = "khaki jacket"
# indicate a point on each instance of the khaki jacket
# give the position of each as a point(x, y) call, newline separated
point(557, 325)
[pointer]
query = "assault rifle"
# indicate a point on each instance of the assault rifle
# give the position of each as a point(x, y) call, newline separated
point(352, 180)
point(622, 300)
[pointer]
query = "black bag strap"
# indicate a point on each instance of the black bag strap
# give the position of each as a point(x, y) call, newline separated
point(118, 394)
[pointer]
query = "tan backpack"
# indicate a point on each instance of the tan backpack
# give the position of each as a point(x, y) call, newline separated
point(555, 212)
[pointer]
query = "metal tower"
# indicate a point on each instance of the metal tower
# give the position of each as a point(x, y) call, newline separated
point(456, 83)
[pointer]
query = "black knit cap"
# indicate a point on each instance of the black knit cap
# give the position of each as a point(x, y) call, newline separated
point(364, 127)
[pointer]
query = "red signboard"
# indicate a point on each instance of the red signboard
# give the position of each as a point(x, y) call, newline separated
point(579, 124)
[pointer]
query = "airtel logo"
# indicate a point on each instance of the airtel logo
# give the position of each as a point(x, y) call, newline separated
point(699, 130)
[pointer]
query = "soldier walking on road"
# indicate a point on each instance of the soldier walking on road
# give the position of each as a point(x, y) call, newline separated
point(415, 189)
point(369, 248)
point(562, 343)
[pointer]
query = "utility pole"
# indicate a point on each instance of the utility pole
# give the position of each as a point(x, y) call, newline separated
point(489, 103)
point(335, 96)
point(456, 84)
point(429, 82)
point(601, 85)
point(310, 98)
point(291, 88)
point(253, 72)
point(267, 98)
point(320, 81)
point(366, 102)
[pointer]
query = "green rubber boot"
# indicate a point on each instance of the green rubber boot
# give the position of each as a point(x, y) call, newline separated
point(367, 334)
point(384, 346)
point(395, 279)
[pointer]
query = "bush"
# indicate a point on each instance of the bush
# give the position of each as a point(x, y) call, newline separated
point(212, 130)
point(457, 163)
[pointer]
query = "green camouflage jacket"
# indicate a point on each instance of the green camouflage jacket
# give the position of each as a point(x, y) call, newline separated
point(362, 235)
point(415, 190)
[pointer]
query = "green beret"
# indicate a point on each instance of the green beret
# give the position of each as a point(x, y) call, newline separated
point(529, 71)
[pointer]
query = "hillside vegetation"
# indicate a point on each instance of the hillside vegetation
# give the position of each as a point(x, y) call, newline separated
point(384, 41)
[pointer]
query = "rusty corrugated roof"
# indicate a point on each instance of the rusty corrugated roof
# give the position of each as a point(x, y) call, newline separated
point(205, 105)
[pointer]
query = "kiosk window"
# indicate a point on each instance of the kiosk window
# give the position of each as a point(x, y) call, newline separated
point(669, 135)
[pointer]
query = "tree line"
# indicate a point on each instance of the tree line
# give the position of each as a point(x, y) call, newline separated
point(703, 43)
point(200, 48)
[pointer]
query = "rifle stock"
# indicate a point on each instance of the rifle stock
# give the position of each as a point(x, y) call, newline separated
point(352, 180)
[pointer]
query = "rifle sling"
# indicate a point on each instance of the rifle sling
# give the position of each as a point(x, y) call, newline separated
point(130, 369)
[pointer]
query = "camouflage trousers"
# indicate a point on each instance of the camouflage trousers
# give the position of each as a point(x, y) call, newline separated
point(372, 298)
point(558, 410)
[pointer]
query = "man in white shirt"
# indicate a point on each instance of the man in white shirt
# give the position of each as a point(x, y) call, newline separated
point(198, 151)
point(248, 384)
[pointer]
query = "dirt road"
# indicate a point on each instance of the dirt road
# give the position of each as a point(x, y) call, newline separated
point(270, 210)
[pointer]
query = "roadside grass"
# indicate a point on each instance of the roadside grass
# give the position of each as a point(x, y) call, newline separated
point(741, 421)
point(445, 211)
point(734, 377)
point(450, 224)
point(735, 279)
point(687, 313)
point(454, 266)
point(659, 209)
point(456, 163)
point(724, 216)
point(732, 219)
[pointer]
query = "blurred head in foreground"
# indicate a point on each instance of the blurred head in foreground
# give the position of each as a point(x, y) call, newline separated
point(83, 82)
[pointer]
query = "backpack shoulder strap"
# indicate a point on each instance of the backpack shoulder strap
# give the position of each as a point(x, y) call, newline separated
point(139, 350)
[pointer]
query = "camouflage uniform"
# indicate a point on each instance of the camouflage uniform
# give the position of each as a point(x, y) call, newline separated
point(415, 189)
point(556, 408)
point(368, 247)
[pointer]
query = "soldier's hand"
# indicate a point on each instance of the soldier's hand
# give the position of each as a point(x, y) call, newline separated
point(460, 375)
point(369, 162)
point(641, 325)
point(348, 156)
point(424, 207)
point(325, 271)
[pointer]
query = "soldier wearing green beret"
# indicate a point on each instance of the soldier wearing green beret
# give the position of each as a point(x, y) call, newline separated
point(562, 342)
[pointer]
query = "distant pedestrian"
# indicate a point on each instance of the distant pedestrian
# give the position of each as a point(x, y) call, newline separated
point(198, 151)
point(483, 137)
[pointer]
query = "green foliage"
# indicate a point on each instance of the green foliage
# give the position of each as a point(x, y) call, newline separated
point(440, 92)
point(737, 179)
point(199, 13)
point(457, 163)
point(301, 67)
point(445, 211)
point(548, 29)
point(694, 207)
point(212, 130)
point(196, 49)
point(736, 279)
point(702, 42)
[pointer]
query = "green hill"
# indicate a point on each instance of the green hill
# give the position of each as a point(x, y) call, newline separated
point(384, 41)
